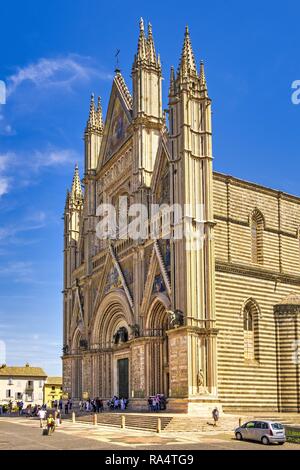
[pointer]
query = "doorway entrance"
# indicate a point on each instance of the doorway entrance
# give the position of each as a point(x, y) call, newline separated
point(123, 382)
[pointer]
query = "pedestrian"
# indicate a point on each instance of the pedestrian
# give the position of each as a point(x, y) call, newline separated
point(101, 406)
point(67, 408)
point(157, 403)
point(42, 415)
point(70, 404)
point(154, 403)
point(57, 418)
point(215, 415)
point(60, 404)
point(50, 424)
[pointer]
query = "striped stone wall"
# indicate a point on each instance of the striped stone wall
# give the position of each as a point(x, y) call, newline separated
point(244, 383)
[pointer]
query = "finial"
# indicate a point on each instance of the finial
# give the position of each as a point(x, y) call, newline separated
point(142, 24)
point(186, 30)
point(149, 28)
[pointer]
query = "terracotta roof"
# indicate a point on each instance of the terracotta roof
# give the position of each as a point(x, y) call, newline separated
point(54, 381)
point(292, 299)
point(26, 371)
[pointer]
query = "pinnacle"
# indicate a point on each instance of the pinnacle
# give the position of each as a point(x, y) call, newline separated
point(76, 191)
point(146, 48)
point(99, 118)
point(187, 64)
point(92, 113)
point(95, 120)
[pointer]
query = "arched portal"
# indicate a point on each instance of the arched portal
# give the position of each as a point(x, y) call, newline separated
point(110, 333)
point(157, 324)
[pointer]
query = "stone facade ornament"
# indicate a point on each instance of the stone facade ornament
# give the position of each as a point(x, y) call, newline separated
point(176, 318)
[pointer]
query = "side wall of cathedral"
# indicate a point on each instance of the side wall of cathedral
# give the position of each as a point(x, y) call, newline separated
point(255, 381)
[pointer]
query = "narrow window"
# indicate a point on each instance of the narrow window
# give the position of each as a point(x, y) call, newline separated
point(248, 334)
point(251, 330)
point(257, 228)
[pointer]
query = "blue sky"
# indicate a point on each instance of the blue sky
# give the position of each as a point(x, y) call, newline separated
point(53, 55)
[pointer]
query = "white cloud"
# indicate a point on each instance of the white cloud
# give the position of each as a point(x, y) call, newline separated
point(55, 72)
point(19, 270)
point(4, 185)
point(51, 158)
point(34, 221)
point(5, 160)
point(12, 164)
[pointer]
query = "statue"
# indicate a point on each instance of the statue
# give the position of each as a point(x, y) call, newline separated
point(135, 330)
point(201, 383)
point(176, 318)
point(121, 336)
point(65, 349)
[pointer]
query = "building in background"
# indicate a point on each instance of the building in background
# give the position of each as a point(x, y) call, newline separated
point(22, 384)
point(52, 390)
point(215, 325)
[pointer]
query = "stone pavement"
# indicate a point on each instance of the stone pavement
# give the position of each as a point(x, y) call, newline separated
point(24, 433)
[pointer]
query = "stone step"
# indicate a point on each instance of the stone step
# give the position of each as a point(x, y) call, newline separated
point(168, 423)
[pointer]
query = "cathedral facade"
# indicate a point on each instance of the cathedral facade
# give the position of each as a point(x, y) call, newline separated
point(215, 322)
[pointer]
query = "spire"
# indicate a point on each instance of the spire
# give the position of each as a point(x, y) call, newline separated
point(95, 120)
point(151, 47)
point(187, 64)
point(142, 44)
point(92, 114)
point(99, 117)
point(76, 191)
point(202, 78)
point(172, 82)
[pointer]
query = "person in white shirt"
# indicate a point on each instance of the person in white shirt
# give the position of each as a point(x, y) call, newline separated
point(42, 415)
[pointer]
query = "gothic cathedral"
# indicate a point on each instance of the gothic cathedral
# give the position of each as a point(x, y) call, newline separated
point(216, 324)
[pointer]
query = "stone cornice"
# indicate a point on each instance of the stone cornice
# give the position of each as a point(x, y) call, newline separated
point(257, 272)
point(254, 186)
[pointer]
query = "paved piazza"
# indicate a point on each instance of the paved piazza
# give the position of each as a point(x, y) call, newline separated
point(25, 434)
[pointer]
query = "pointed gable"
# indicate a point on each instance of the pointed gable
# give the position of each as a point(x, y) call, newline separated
point(118, 119)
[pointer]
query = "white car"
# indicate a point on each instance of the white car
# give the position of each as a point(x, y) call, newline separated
point(266, 432)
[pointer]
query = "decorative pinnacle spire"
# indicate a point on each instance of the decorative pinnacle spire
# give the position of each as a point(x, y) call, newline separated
point(92, 114)
point(99, 118)
point(76, 191)
point(172, 82)
point(142, 44)
point(95, 121)
point(202, 78)
point(142, 24)
point(187, 64)
point(151, 47)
